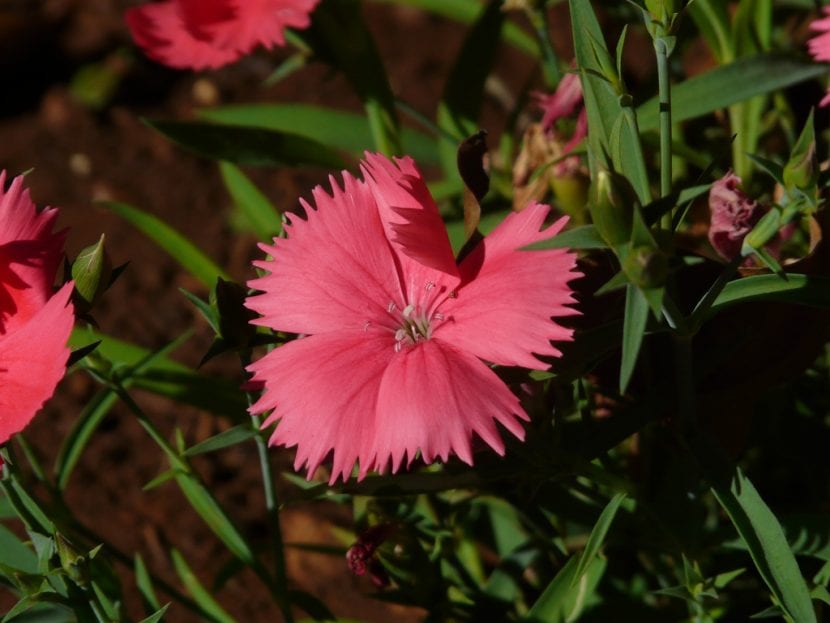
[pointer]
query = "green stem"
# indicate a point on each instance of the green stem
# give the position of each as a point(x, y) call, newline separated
point(550, 63)
point(664, 89)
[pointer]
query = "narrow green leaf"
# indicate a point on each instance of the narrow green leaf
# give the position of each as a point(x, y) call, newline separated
point(227, 438)
point(242, 145)
point(204, 504)
point(460, 105)
point(200, 595)
point(613, 125)
point(760, 530)
point(797, 289)
point(338, 129)
point(177, 246)
point(145, 584)
point(561, 601)
point(729, 84)
point(634, 328)
point(584, 237)
point(156, 616)
point(264, 218)
point(597, 536)
point(13, 553)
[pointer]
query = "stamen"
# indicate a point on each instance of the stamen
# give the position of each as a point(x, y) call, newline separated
point(407, 311)
point(366, 325)
point(391, 307)
point(400, 334)
point(429, 286)
point(438, 316)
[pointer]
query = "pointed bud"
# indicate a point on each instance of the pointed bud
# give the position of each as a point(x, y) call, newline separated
point(646, 267)
point(801, 170)
point(612, 207)
point(72, 561)
point(91, 270)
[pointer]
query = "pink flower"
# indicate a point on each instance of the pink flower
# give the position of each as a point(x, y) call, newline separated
point(563, 103)
point(732, 215)
point(201, 34)
point(34, 323)
point(820, 45)
point(397, 333)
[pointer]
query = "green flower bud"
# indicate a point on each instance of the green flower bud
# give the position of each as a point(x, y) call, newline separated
point(612, 202)
point(91, 270)
point(801, 170)
point(646, 267)
point(72, 561)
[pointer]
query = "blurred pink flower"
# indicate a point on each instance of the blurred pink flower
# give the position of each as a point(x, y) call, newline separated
point(565, 102)
point(206, 34)
point(397, 334)
point(820, 45)
point(732, 215)
point(34, 322)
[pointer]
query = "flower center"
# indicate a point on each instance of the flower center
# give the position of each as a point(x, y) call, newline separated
point(416, 321)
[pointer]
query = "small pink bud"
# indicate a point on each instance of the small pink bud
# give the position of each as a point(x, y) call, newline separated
point(732, 215)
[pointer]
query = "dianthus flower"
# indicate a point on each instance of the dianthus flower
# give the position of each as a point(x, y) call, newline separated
point(396, 334)
point(207, 34)
point(34, 322)
point(820, 45)
point(732, 215)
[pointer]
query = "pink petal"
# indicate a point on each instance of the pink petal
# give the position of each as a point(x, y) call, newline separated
point(160, 30)
point(334, 271)
point(409, 213)
point(825, 100)
point(29, 255)
point(263, 22)
point(504, 306)
point(32, 361)
point(432, 399)
point(562, 102)
point(324, 391)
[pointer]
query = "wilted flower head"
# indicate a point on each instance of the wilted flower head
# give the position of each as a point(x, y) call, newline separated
point(34, 322)
point(732, 215)
point(397, 334)
point(202, 34)
point(820, 45)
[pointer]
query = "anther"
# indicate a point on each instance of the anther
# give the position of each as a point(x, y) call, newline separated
point(407, 311)
point(391, 307)
point(429, 286)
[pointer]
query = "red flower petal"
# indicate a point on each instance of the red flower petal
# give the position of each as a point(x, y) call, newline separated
point(504, 306)
point(334, 272)
point(323, 390)
point(32, 361)
point(432, 399)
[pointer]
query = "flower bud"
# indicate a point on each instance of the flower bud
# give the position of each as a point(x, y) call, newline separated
point(646, 267)
point(72, 561)
point(91, 270)
point(612, 207)
point(801, 170)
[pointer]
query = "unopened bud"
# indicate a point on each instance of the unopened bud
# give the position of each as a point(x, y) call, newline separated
point(612, 205)
point(646, 267)
point(72, 561)
point(91, 270)
point(801, 170)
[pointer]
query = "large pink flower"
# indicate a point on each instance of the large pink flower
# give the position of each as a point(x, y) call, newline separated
point(202, 34)
point(34, 323)
point(396, 334)
point(820, 45)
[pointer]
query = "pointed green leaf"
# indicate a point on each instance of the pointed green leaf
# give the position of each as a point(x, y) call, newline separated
point(634, 328)
point(797, 289)
point(156, 616)
point(597, 536)
point(225, 439)
point(200, 595)
point(145, 584)
point(264, 218)
point(729, 84)
point(253, 146)
point(175, 244)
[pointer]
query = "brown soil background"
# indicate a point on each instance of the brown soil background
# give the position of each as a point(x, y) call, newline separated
point(78, 156)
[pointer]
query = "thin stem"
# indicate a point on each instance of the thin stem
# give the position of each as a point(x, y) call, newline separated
point(550, 66)
point(664, 88)
point(272, 510)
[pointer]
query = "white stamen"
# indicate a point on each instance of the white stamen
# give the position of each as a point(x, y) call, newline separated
point(407, 311)
point(429, 286)
point(391, 307)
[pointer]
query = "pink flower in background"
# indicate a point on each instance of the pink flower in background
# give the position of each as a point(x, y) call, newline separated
point(565, 102)
point(732, 215)
point(820, 45)
point(206, 34)
point(34, 322)
point(396, 334)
